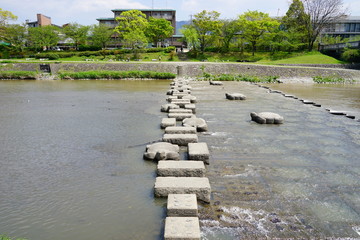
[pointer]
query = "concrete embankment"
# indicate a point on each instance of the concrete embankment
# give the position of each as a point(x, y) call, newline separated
point(194, 69)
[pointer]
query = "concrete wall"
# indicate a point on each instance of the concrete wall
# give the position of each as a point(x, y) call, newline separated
point(194, 69)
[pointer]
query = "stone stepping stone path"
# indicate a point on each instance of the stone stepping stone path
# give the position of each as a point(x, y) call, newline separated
point(183, 182)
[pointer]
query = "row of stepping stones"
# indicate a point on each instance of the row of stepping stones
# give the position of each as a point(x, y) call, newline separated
point(309, 102)
point(262, 117)
point(183, 182)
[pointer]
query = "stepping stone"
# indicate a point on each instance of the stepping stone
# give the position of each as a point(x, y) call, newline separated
point(162, 151)
point(317, 104)
point(180, 95)
point(170, 98)
point(191, 107)
point(180, 130)
point(216, 83)
point(199, 123)
point(235, 96)
point(289, 96)
point(183, 185)
point(182, 205)
point(180, 110)
point(307, 101)
point(180, 116)
point(267, 117)
point(182, 228)
point(350, 116)
point(180, 139)
point(199, 151)
point(180, 102)
point(276, 91)
point(192, 98)
point(168, 122)
point(337, 112)
point(167, 107)
point(181, 169)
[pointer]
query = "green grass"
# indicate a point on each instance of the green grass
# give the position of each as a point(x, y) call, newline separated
point(17, 75)
point(4, 237)
point(238, 77)
point(320, 79)
point(306, 58)
point(116, 75)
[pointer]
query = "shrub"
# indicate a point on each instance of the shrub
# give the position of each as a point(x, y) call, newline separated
point(328, 79)
point(17, 75)
point(116, 75)
point(234, 77)
point(351, 55)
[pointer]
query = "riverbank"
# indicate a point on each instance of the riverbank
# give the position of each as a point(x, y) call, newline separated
point(191, 69)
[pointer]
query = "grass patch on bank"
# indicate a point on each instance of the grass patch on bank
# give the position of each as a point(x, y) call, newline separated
point(320, 79)
point(4, 237)
point(306, 58)
point(17, 75)
point(238, 77)
point(116, 75)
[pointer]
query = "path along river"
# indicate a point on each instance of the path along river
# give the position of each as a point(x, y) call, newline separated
point(71, 162)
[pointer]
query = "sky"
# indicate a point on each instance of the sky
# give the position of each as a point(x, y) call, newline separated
point(85, 12)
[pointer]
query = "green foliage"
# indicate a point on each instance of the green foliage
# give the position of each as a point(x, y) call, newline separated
point(116, 75)
point(351, 55)
point(208, 27)
point(5, 16)
point(321, 79)
point(17, 75)
point(191, 37)
point(15, 34)
point(158, 30)
point(238, 77)
point(256, 25)
point(100, 35)
point(4, 237)
point(43, 37)
point(77, 33)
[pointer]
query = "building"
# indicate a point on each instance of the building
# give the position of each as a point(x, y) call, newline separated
point(42, 20)
point(168, 14)
point(346, 27)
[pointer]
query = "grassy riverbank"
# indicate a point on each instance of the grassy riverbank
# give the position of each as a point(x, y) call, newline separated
point(116, 75)
point(17, 75)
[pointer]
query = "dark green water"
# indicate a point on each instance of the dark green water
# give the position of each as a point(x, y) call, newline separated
point(71, 162)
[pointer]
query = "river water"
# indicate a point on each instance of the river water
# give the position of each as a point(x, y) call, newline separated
point(71, 162)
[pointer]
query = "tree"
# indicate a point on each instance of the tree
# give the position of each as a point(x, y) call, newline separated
point(44, 37)
point(230, 29)
point(294, 23)
point(208, 27)
point(77, 33)
point(256, 25)
point(158, 30)
point(191, 37)
point(321, 13)
point(5, 16)
point(16, 35)
point(101, 35)
point(131, 28)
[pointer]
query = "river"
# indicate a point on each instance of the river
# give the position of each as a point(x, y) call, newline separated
point(72, 168)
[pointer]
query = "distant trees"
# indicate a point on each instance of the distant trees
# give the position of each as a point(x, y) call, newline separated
point(101, 35)
point(77, 33)
point(158, 29)
point(43, 37)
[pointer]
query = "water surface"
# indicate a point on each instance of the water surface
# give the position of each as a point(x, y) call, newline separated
point(71, 159)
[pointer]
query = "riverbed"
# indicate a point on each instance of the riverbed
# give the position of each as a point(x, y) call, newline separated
point(72, 168)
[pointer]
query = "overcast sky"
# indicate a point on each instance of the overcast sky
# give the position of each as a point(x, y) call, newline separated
point(86, 11)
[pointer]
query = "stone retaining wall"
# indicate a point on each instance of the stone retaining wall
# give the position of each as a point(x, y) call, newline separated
point(194, 69)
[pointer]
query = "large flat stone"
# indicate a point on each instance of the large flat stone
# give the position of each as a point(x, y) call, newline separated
point(182, 205)
point(183, 185)
point(180, 139)
point(180, 130)
point(182, 228)
point(168, 122)
point(181, 169)
point(180, 102)
point(181, 110)
point(199, 151)
point(180, 116)
point(191, 107)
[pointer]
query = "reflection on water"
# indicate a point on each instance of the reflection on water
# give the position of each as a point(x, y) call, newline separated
point(71, 159)
point(297, 180)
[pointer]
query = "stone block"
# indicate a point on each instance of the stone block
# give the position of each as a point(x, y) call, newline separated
point(180, 110)
point(168, 122)
point(199, 123)
point(180, 116)
point(180, 95)
point(180, 130)
point(235, 96)
point(182, 205)
point(183, 185)
point(191, 107)
point(180, 102)
point(199, 151)
point(181, 169)
point(162, 151)
point(267, 117)
point(180, 139)
point(167, 107)
point(192, 98)
point(218, 83)
point(170, 98)
point(182, 228)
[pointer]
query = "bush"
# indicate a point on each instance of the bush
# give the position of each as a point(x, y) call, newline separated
point(49, 55)
point(328, 79)
point(234, 77)
point(351, 55)
point(89, 48)
point(17, 75)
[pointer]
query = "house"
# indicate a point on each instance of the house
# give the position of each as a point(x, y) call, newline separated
point(42, 21)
